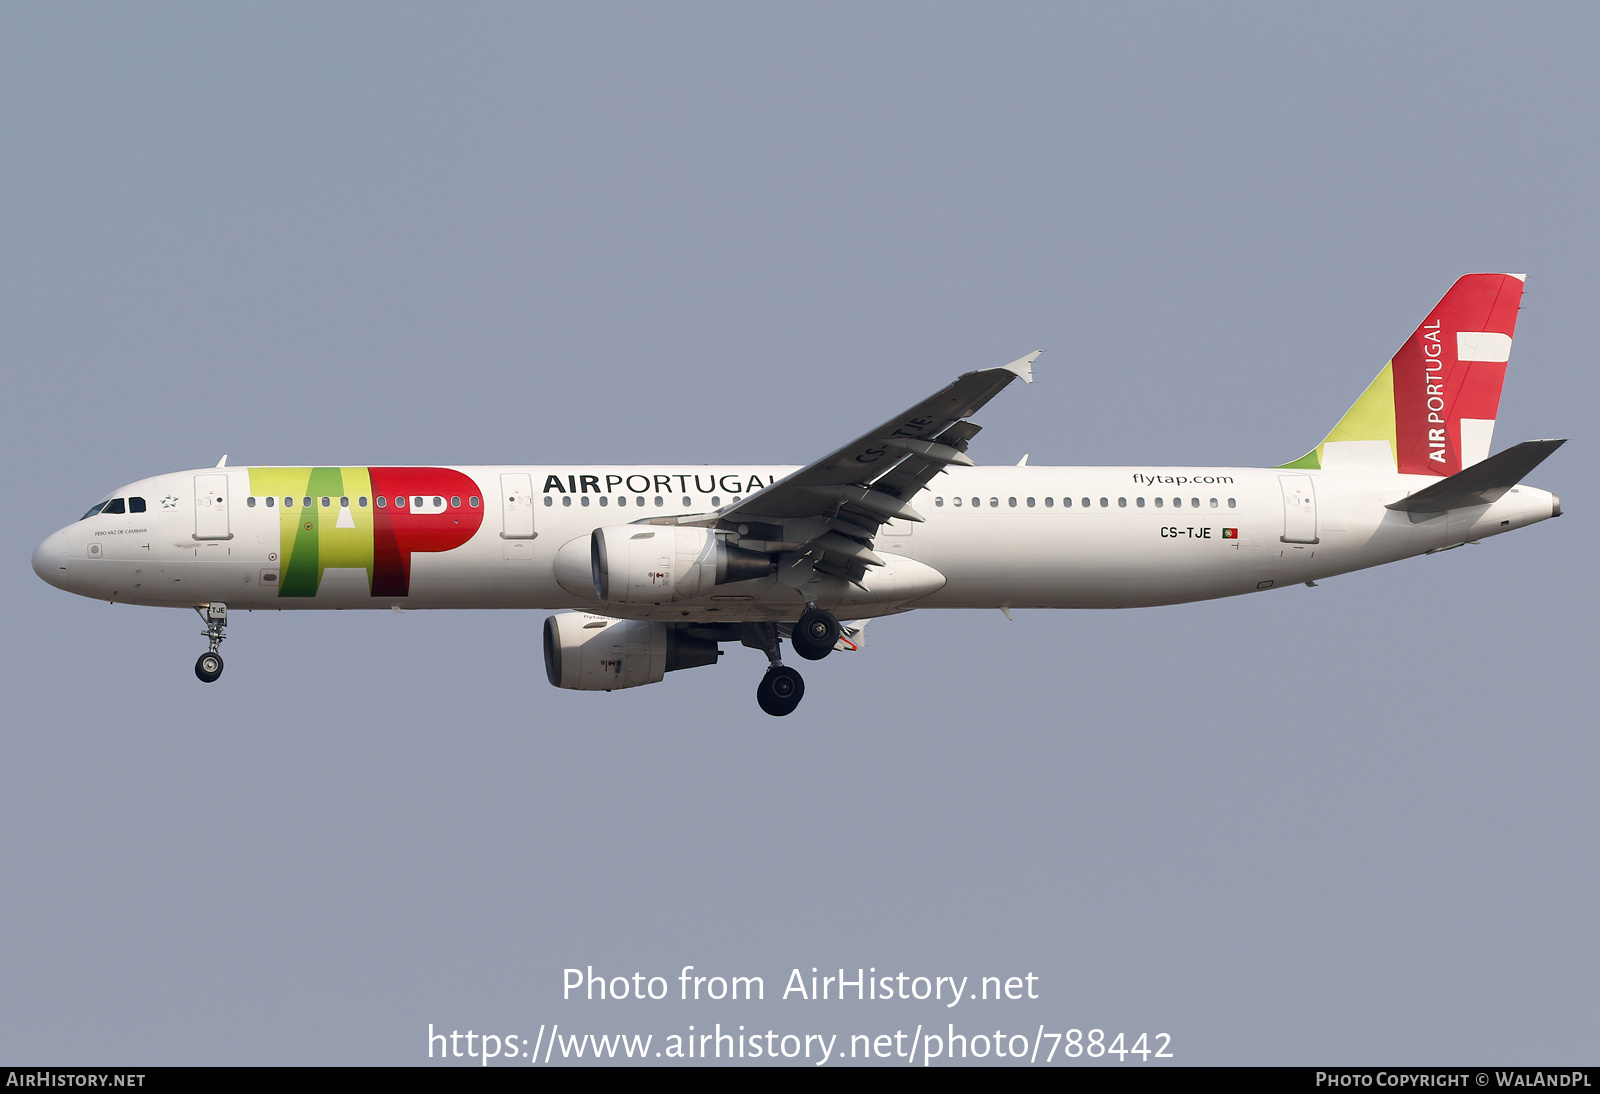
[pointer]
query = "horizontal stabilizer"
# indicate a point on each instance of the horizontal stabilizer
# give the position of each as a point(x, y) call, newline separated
point(1480, 484)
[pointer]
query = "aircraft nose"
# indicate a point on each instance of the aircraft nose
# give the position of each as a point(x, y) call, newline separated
point(50, 559)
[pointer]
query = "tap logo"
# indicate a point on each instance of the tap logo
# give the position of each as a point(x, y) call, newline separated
point(359, 518)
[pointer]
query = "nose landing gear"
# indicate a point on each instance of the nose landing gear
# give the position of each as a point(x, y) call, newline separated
point(209, 666)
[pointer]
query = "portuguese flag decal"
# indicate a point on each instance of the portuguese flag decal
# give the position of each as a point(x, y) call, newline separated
point(1230, 533)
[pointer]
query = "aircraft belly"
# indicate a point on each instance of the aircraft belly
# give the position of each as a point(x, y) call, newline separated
point(1071, 562)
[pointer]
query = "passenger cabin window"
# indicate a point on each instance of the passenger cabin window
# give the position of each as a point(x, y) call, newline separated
point(344, 503)
point(956, 502)
point(1160, 502)
point(362, 501)
point(1232, 504)
point(1139, 502)
point(1122, 503)
point(548, 500)
point(270, 502)
point(585, 499)
point(1105, 503)
point(250, 503)
point(566, 499)
point(1030, 503)
point(1012, 502)
point(1050, 503)
point(305, 502)
point(383, 502)
point(115, 505)
point(473, 501)
point(1086, 503)
point(938, 503)
point(603, 501)
point(1213, 503)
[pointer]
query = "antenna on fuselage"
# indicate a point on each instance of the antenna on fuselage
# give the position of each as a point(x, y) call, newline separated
point(224, 461)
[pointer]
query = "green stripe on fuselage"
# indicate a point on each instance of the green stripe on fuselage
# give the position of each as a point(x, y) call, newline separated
point(309, 537)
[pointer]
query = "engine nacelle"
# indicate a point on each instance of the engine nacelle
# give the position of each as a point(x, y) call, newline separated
point(596, 653)
point(658, 564)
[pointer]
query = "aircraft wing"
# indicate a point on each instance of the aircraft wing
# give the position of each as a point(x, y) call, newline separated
point(851, 493)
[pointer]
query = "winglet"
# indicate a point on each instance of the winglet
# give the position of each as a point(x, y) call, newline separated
point(1023, 366)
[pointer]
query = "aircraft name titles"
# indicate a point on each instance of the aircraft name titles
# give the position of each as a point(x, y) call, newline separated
point(653, 484)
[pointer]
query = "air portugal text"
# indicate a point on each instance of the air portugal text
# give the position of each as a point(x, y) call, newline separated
point(730, 483)
point(1433, 378)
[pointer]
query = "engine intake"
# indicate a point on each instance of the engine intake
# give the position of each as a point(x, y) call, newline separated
point(596, 653)
point(659, 564)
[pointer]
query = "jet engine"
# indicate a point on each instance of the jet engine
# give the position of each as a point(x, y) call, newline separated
point(596, 653)
point(658, 564)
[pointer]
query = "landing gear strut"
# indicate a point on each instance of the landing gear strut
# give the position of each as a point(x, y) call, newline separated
point(813, 637)
point(781, 689)
point(209, 666)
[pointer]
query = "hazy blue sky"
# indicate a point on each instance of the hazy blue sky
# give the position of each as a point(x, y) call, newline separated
point(1350, 824)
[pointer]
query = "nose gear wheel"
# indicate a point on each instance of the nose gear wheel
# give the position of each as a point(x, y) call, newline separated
point(209, 666)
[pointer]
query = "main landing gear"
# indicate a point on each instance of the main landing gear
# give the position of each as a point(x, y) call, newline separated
point(209, 666)
point(781, 689)
point(815, 634)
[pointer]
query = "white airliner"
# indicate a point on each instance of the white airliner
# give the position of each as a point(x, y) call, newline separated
point(657, 565)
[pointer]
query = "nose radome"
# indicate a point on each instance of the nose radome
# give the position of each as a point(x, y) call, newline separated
point(50, 559)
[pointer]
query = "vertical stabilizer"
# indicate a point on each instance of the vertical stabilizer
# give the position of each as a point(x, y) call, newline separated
point(1432, 408)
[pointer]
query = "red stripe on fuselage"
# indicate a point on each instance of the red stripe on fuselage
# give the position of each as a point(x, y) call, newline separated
point(397, 532)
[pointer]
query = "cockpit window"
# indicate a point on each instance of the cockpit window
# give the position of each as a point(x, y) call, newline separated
point(135, 505)
point(115, 505)
point(93, 511)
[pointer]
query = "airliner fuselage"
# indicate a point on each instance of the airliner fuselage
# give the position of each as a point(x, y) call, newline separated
point(653, 568)
point(1012, 537)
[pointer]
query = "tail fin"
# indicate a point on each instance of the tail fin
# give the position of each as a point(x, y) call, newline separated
point(1431, 410)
